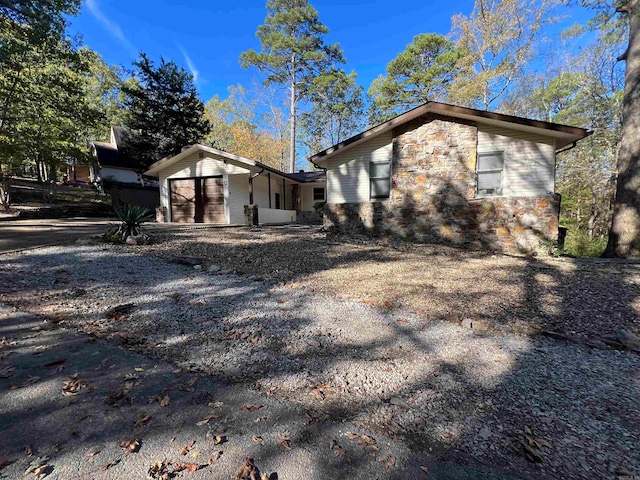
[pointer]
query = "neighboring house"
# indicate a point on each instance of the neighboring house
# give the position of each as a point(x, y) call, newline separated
point(110, 164)
point(446, 174)
point(205, 185)
point(119, 175)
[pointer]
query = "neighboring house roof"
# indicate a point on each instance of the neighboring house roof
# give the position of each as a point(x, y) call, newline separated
point(564, 134)
point(108, 155)
point(309, 176)
point(160, 165)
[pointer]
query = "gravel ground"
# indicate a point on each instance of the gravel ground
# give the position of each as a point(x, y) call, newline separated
point(433, 387)
point(586, 299)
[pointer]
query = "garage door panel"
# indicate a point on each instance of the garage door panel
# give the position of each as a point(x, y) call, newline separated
point(197, 200)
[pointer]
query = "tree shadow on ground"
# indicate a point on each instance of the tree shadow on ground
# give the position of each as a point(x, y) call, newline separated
point(451, 383)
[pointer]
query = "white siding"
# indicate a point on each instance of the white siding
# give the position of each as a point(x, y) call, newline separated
point(530, 159)
point(348, 172)
point(307, 195)
point(238, 197)
point(261, 191)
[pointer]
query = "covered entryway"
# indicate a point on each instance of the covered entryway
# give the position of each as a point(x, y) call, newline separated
point(197, 200)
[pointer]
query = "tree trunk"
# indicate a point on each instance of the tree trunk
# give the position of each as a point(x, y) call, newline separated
point(292, 114)
point(624, 236)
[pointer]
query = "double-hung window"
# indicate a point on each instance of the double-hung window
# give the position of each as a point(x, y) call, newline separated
point(490, 174)
point(318, 194)
point(379, 180)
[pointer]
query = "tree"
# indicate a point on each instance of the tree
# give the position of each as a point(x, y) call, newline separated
point(422, 72)
point(337, 111)
point(239, 124)
point(164, 112)
point(624, 236)
point(293, 53)
point(498, 40)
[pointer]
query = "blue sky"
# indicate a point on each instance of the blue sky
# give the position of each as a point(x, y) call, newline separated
point(207, 36)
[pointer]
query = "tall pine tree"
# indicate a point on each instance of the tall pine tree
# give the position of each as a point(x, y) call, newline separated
point(293, 53)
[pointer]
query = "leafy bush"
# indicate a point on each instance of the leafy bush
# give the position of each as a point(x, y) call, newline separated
point(319, 208)
point(131, 219)
point(578, 244)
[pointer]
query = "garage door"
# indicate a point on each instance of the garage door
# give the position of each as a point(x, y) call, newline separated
point(197, 200)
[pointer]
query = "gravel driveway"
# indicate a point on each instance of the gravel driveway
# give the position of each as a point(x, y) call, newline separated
point(441, 392)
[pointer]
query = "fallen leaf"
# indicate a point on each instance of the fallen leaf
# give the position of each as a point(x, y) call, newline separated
point(247, 470)
point(216, 457)
point(164, 402)
point(219, 439)
point(260, 419)
point(6, 372)
point(256, 439)
point(26, 383)
point(142, 419)
point(112, 463)
point(424, 469)
point(138, 369)
point(188, 448)
point(189, 467)
point(131, 445)
point(4, 463)
point(158, 470)
point(352, 436)
point(93, 453)
point(195, 454)
point(318, 393)
point(73, 386)
point(188, 385)
point(27, 451)
point(337, 450)
point(215, 404)
point(37, 463)
point(388, 462)
point(53, 363)
point(366, 440)
point(251, 408)
point(40, 470)
point(203, 422)
point(284, 439)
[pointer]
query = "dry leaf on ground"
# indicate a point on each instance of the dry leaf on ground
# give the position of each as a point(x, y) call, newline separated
point(424, 469)
point(528, 445)
point(337, 450)
point(73, 386)
point(165, 401)
point(26, 383)
point(7, 371)
point(216, 457)
point(247, 470)
point(189, 467)
point(256, 439)
point(58, 361)
point(219, 439)
point(92, 453)
point(284, 439)
point(251, 408)
point(37, 464)
point(388, 462)
point(142, 419)
point(131, 445)
point(186, 449)
point(158, 471)
point(4, 463)
point(107, 466)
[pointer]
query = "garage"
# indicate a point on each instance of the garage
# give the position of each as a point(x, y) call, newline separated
point(197, 200)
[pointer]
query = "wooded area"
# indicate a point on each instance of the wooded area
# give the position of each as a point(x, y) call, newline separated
point(56, 95)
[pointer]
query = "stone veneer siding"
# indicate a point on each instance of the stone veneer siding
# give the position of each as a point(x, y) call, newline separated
point(433, 197)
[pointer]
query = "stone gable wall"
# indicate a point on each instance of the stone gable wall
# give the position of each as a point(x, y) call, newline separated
point(433, 197)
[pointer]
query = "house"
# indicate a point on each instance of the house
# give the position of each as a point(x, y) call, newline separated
point(110, 164)
point(206, 185)
point(446, 174)
point(114, 172)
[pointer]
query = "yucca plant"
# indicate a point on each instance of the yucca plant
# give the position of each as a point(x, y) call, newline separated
point(131, 217)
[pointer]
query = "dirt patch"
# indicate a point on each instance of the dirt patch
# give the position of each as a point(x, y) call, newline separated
point(583, 299)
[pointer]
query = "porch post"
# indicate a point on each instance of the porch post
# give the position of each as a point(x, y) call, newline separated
point(284, 193)
point(250, 189)
point(269, 180)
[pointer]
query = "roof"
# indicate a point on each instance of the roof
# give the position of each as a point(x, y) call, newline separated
point(564, 134)
point(108, 155)
point(309, 176)
point(155, 168)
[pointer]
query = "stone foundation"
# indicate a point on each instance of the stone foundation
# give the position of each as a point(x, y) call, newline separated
point(509, 225)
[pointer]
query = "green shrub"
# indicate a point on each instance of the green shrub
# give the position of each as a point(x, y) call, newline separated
point(319, 208)
point(578, 244)
point(131, 219)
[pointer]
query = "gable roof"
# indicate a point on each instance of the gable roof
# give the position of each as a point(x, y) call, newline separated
point(155, 168)
point(309, 176)
point(563, 134)
point(108, 155)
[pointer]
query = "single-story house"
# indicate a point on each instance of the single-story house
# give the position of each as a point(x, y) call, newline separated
point(205, 185)
point(447, 174)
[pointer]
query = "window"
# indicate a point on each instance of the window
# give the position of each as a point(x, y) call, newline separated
point(277, 201)
point(318, 194)
point(379, 180)
point(490, 174)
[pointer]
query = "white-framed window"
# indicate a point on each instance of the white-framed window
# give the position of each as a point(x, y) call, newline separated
point(318, 194)
point(379, 180)
point(490, 174)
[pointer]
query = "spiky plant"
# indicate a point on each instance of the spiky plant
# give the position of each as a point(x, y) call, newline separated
point(131, 217)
